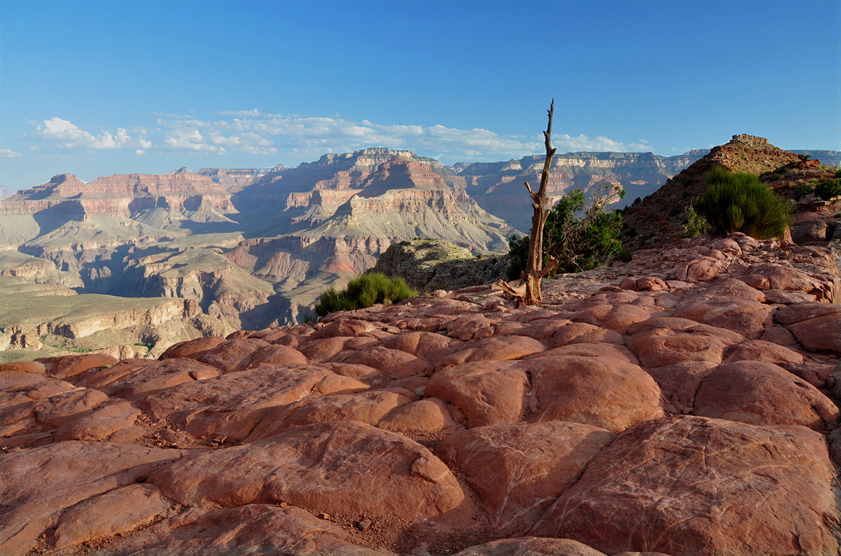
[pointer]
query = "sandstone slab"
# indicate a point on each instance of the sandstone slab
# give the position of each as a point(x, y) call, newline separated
point(505, 348)
point(608, 393)
point(519, 470)
point(699, 486)
point(233, 355)
point(667, 341)
point(192, 349)
point(114, 512)
point(763, 394)
point(230, 406)
point(392, 362)
point(486, 392)
point(146, 379)
point(253, 529)
point(323, 468)
point(68, 473)
point(69, 365)
point(364, 407)
point(531, 546)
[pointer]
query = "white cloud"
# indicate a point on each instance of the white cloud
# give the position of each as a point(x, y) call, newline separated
point(69, 136)
point(8, 153)
point(308, 137)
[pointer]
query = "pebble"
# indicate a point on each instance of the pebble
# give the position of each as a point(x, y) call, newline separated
point(363, 525)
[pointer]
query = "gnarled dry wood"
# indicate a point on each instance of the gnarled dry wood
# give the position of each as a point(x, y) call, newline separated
point(528, 291)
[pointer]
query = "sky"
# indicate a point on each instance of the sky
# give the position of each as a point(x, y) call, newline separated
point(105, 87)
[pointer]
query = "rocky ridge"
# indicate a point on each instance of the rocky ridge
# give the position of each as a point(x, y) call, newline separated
point(658, 218)
point(683, 403)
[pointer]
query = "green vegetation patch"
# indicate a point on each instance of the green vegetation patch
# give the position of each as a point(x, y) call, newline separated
point(579, 234)
point(828, 189)
point(740, 202)
point(363, 291)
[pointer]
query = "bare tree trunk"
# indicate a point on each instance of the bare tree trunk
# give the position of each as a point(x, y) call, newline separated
point(528, 291)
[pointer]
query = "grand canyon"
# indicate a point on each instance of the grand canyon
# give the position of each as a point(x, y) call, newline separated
point(136, 263)
point(682, 402)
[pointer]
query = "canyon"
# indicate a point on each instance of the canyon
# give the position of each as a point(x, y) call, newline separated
point(682, 402)
point(248, 248)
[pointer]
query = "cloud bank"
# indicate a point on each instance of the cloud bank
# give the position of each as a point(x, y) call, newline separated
point(294, 137)
point(66, 135)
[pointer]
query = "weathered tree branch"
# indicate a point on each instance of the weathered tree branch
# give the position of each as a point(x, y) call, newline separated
point(528, 292)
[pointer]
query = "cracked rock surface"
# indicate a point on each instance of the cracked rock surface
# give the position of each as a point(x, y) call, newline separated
point(684, 403)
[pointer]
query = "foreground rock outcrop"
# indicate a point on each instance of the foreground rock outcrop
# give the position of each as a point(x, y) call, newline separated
point(683, 403)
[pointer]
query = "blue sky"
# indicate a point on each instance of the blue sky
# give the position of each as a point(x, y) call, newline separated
point(97, 88)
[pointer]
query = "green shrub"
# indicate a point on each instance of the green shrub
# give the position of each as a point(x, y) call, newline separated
point(363, 291)
point(838, 173)
point(739, 202)
point(827, 189)
point(694, 224)
point(802, 190)
point(580, 234)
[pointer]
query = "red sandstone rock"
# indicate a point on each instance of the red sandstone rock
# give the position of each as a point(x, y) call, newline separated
point(69, 365)
point(531, 546)
point(583, 332)
point(243, 530)
point(323, 349)
point(679, 383)
point(607, 393)
point(540, 330)
point(344, 327)
point(232, 355)
point(729, 304)
point(427, 345)
point(758, 350)
point(99, 378)
point(276, 355)
point(57, 410)
point(192, 349)
point(701, 486)
point(505, 348)
point(158, 375)
point(111, 513)
point(392, 362)
point(667, 341)
point(465, 328)
point(353, 370)
point(230, 406)
point(799, 312)
point(783, 277)
point(590, 350)
point(99, 423)
point(486, 392)
point(68, 473)
point(520, 469)
point(24, 367)
point(821, 334)
point(324, 468)
point(365, 407)
point(763, 394)
point(423, 416)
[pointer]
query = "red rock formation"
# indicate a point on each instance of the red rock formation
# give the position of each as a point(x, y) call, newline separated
point(643, 408)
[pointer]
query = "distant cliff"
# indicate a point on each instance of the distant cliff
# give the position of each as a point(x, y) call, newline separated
point(498, 187)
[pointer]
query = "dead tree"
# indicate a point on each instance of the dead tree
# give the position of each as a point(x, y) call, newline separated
point(528, 291)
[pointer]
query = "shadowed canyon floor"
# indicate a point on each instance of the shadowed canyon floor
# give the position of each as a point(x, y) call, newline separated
point(683, 403)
